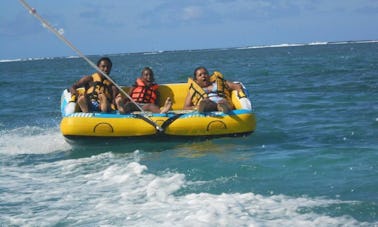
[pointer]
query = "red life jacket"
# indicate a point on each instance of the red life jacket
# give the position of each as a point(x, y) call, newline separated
point(144, 94)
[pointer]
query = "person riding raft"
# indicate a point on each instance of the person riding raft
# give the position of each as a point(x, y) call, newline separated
point(210, 93)
point(145, 93)
point(99, 92)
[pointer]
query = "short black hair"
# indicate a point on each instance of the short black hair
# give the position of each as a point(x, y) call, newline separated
point(104, 59)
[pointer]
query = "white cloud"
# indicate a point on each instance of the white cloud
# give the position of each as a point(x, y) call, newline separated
point(169, 24)
point(192, 12)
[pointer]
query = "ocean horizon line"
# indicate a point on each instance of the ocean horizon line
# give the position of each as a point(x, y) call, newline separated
point(314, 43)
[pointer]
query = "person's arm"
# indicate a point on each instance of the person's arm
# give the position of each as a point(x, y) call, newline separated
point(233, 86)
point(188, 105)
point(81, 83)
point(158, 98)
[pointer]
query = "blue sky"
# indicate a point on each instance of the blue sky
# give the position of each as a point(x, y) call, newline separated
point(125, 26)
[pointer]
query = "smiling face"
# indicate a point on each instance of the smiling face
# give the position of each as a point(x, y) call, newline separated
point(147, 76)
point(105, 66)
point(202, 77)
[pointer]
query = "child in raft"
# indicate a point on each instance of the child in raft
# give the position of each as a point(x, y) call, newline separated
point(145, 93)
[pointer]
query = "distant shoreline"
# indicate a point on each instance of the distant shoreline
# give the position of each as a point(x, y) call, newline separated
point(316, 43)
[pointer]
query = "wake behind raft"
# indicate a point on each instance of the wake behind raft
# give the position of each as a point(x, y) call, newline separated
point(176, 123)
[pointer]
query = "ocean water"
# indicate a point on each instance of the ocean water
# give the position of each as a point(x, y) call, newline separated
point(312, 161)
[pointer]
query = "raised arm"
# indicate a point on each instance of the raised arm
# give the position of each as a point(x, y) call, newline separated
point(234, 86)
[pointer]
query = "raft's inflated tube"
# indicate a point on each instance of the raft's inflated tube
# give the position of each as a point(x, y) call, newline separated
point(242, 97)
point(71, 102)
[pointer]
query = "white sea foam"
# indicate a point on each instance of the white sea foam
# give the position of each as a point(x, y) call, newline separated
point(11, 60)
point(72, 56)
point(31, 140)
point(316, 43)
point(153, 52)
point(24, 59)
point(111, 189)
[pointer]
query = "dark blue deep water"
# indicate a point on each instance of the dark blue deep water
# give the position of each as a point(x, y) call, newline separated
point(312, 161)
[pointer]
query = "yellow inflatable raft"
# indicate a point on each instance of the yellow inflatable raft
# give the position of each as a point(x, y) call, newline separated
point(175, 123)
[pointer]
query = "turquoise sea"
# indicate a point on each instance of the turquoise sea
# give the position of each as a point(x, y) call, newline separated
point(312, 161)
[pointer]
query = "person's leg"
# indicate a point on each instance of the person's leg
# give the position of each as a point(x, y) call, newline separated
point(151, 107)
point(167, 105)
point(83, 103)
point(120, 104)
point(207, 105)
point(224, 106)
point(104, 103)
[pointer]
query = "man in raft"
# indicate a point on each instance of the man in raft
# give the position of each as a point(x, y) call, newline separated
point(100, 93)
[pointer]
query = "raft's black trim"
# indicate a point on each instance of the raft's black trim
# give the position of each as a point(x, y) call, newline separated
point(170, 120)
point(78, 140)
point(215, 121)
point(148, 120)
point(103, 123)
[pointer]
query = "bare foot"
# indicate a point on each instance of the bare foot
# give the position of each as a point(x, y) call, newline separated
point(167, 105)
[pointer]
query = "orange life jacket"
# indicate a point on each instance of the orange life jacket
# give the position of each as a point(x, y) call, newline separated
point(144, 94)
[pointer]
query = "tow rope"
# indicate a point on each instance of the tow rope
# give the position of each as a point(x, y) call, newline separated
point(59, 34)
